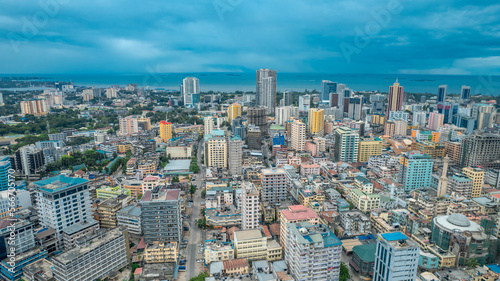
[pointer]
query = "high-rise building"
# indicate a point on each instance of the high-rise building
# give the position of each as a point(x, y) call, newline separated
point(441, 96)
point(190, 90)
point(465, 93)
point(419, 118)
point(1, 99)
point(396, 96)
point(316, 121)
point(327, 87)
point(436, 120)
point(396, 258)
point(233, 111)
point(480, 150)
point(5, 166)
point(400, 127)
point(369, 147)
point(165, 131)
point(144, 123)
point(22, 233)
point(63, 201)
point(258, 117)
point(216, 149)
point(283, 114)
point(254, 137)
point(443, 180)
point(287, 99)
point(235, 146)
point(37, 107)
point(477, 176)
point(415, 170)
point(208, 124)
point(354, 110)
point(313, 252)
point(399, 115)
point(249, 206)
point(111, 93)
point(304, 103)
point(460, 185)
point(346, 145)
point(266, 89)
point(274, 185)
point(298, 135)
point(105, 251)
point(29, 160)
point(484, 114)
point(161, 215)
point(129, 126)
point(295, 214)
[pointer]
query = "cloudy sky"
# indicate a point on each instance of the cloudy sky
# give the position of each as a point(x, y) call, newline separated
point(346, 36)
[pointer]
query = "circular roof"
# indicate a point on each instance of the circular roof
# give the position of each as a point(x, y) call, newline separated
point(458, 220)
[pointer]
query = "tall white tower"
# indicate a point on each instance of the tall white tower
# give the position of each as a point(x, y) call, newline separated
point(443, 180)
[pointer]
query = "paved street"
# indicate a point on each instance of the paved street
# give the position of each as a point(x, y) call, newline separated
point(195, 234)
point(352, 273)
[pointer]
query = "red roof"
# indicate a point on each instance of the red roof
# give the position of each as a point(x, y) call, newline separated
point(266, 231)
point(275, 229)
point(298, 212)
point(138, 271)
point(141, 245)
point(234, 264)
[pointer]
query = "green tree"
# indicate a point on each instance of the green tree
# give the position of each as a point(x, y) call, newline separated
point(471, 263)
point(192, 190)
point(175, 179)
point(200, 277)
point(344, 272)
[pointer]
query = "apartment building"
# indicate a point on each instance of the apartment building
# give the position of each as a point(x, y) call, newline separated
point(161, 252)
point(346, 145)
point(161, 215)
point(250, 207)
point(130, 218)
point(108, 209)
point(72, 233)
point(274, 184)
point(298, 136)
point(477, 176)
point(216, 152)
point(396, 258)
point(295, 214)
point(369, 147)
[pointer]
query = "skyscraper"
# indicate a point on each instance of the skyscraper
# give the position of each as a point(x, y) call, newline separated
point(128, 125)
point(415, 170)
point(249, 206)
point(355, 108)
point(283, 114)
point(235, 146)
point(346, 145)
point(327, 87)
point(287, 99)
point(233, 111)
point(298, 135)
point(5, 166)
point(465, 93)
point(316, 121)
point(266, 89)
point(216, 149)
point(396, 258)
point(191, 91)
point(165, 131)
point(396, 96)
point(304, 102)
point(441, 96)
point(480, 149)
point(435, 120)
point(258, 117)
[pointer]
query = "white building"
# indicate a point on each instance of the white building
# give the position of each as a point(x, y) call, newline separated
point(399, 115)
point(249, 206)
point(130, 218)
point(304, 103)
point(266, 89)
point(396, 258)
point(274, 184)
point(283, 114)
point(419, 118)
point(235, 146)
point(63, 201)
point(128, 125)
point(22, 200)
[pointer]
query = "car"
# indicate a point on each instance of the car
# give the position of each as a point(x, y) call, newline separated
point(200, 245)
point(186, 228)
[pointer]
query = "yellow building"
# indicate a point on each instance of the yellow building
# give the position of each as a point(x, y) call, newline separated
point(364, 202)
point(274, 251)
point(233, 111)
point(161, 252)
point(108, 209)
point(316, 121)
point(123, 148)
point(105, 192)
point(434, 149)
point(165, 131)
point(250, 245)
point(477, 177)
point(307, 196)
point(219, 252)
point(369, 147)
point(145, 123)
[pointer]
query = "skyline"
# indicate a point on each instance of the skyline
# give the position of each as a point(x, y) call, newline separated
point(242, 36)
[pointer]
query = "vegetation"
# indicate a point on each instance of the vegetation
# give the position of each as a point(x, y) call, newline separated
point(192, 190)
point(200, 277)
point(79, 141)
point(203, 194)
point(193, 167)
point(134, 266)
point(344, 272)
point(93, 160)
point(471, 263)
point(183, 116)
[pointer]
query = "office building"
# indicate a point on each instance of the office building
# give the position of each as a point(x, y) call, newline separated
point(108, 209)
point(396, 258)
point(399, 115)
point(313, 252)
point(419, 118)
point(396, 96)
point(103, 252)
point(283, 114)
point(480, 150)
point(161, 215)
point(304, 103)
point(20, 199)
point(12, 268)
point(209, 124)
point(477, 176)
point(250, 207)
point(71, 234)
point(327, 87)
point(252, 245)
point(460, 185)
point(128, 126)
point(436, 120)
point(316, 121)
point(216, 149)
point(165, 131)
point(266, 89)
point(258, 117)
point(37, 107)
point(287, 99)
point(298, 135)
point(441, 96)
point(29, 160)
point(130, 218)
point(17, 231)
point(5, 167)
point(274, 184)
point(190, 90)
point(415, 170)
point(295, 214)
point(346, 145)
point(485, 116)
point(63, 201)
point(465, 94)
point(400, 127)
point(233, 111)
point(235, 162)
point(369, 147)
point(354, 110)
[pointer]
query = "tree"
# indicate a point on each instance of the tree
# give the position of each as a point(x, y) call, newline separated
point(175, 179)
point(344, 272)
point(200, 277)
point(203, 194)
point(192, 190)
point(471, 263)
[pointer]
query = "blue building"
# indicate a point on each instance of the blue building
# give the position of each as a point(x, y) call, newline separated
point(13, 269)
point(239, 131)
point(5, 166)
point(327, 87)
point(279, 139)
point(415, 170)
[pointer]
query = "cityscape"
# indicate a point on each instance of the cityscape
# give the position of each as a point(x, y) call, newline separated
point(238, 140)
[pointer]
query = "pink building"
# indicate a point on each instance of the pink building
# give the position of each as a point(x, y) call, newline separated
point(436, 120)
point(312, 147)
point(309, 169)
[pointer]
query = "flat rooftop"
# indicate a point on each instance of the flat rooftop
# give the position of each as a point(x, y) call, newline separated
point(58, 183)
point(164, 194)
point(177, 165)
point(70, 230)
point(394, 236)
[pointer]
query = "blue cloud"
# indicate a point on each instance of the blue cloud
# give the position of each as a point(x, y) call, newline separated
point(110, 36)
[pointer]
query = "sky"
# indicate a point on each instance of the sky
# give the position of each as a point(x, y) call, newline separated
point(344, 36)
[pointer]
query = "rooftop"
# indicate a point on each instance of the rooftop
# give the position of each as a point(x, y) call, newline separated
point(163, 194)
point(248, 234)
point(131, 211)
point(366, 252)
point(308, 233)
point(58, 183)
point(394, 236)
point(298, 212)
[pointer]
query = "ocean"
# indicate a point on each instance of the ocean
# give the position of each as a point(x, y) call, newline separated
point(245, 81)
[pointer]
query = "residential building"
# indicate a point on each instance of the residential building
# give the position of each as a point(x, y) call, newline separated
point(477, 176)
point(235, 160)
point(233, 111)
point(40, 270)
point(104, 252)
point(481, 149)
point(209, 124)
point(63, 201)
point(400, 127)
point(346, 145)
point(396, 96)
point(399, 115)
point(165, 131)
point(105, 192)
point(72, 233)
point(266, 89)
point(161, 252)
point(144, 123)
point(460, 185)
point(253, 245)
point(258, 117)
point(130, 218)
point(12, 268)
point(419, 118)
point(363, 259)
point(431, 148)
point(304, 103)
point(313, 252)
point(415, 170)
point(15, 232)
point(363, 201)
point(37, 107)
point(436, 120)
point(10, 201)
point(298, 136)
point(274, 183)
point(190, 90)
point(369, 147)
point(111, 93)
point(161, 215)
point(396, 258)
point(250, 207)
point(219, 251)
point(216, 149)
point(108, 209)
point(327, 87)
point(295, 214)
point(29, 160)
point(316, 121)
point(128, 126)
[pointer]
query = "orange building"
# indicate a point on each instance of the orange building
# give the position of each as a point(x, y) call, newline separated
point(165, 131)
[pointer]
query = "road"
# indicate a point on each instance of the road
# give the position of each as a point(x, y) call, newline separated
point(345, 259)
point(195, 234)
point(265, 153)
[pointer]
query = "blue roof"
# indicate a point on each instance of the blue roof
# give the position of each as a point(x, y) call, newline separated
point(394, 236)
point(494, 267)
point(62, 181)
